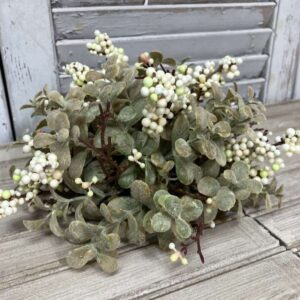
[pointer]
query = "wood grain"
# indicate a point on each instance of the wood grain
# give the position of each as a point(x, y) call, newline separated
point(248, 241)
point(276, 278)
point(80, 22)
point(284, 224)
point(199, 46)
point(81, 3)
point(6, 134)
point(282, 77)
point(27, 50)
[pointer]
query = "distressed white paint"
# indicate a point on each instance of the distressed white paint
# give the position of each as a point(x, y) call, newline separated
point(80, 3)
point(282, 76)
point(199, 46)
point(276, 278)
point(80, 22)
point(248, 242)
point(6, 134)
point(27, 49)
point(297, 83)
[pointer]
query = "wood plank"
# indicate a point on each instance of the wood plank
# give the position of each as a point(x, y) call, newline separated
point(5, 125)
point(248, 241)
point(80, 23)
point(252, 67)
point(28, 54)
point(82, 3)
point(285, 53)
point(273, 278)
point(201, 46)
point(201, 1)
point(284, 224)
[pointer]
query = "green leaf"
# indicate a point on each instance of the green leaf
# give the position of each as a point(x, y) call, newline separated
point(229, 175)
point(105, 212)
point(201, 115)
point(77, 164)
point(108, 242)
point(182, 148)
point(242, 194)
point(91, 90)
point(147, 221)
point(43, 140)
point(57, 120)
point(221, 156)
point(225, 199)
point(208, 186)
point(210, 214)
point(172, 205)
point(211, 168)
point(182, 229)
point(240, 169)
point(169, 61)
point(33, 225)
point(184, 170)
point(112, 71)
point(93, 169)
point(150, 174)
point(191, 208)
point(222, 128)
point(93, 76)
point(54, 225)
point(150, 146)
point(79, 232)
point(63, 154)
point(127, 114)
point(124, 143)
point(252, 185)
point(133, 234)
point(107, 263)
point(206, 147)
point(127, 177)
point(90, 209)
point(157, 57)
point(79, 257)
point(180, 128)
point(140, 191)
point(121, 206)
point(160, 222)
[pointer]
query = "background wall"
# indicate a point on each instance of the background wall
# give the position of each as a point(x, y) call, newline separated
point(38, 37)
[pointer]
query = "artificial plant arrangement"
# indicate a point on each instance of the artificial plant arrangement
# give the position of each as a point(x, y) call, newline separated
point(150, 152)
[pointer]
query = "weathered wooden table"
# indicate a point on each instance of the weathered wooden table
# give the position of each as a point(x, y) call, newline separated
point(251, 258)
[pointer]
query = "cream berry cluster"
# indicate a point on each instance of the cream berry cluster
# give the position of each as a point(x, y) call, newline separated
point(291, 142)
point(43, 169)
point(86, 185)
point(28, 140)
point(9, 200)
point(206, 75)
point(78, 72)
point(167, 94)
point(135, 157)
point(103, 46)
point(229, 66)
point(259, 151)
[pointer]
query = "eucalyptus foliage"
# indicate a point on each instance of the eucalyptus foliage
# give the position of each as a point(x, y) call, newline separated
point(111, 163)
